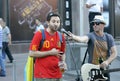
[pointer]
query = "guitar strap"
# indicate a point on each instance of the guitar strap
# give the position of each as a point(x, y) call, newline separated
point(108, 53)
point(85, 56)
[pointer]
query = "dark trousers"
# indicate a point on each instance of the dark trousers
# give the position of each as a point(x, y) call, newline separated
point(91, 17)
point(107, 75)
point(6, 50)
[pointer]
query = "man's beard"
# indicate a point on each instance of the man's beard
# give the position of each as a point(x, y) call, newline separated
point(54, 29)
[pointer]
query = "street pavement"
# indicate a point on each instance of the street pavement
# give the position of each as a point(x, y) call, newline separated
point(15, 71)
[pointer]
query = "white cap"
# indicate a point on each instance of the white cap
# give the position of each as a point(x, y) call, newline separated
point(99, 18)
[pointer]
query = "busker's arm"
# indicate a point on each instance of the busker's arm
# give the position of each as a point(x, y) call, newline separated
point(83, 39)
point(111, 58)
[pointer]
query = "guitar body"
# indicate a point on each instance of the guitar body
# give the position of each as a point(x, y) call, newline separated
point(91, 72)
point(85, 69)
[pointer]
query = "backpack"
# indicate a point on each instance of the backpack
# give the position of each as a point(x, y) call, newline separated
point(43, 38)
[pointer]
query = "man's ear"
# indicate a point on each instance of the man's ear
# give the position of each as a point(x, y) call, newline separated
point(47, 22)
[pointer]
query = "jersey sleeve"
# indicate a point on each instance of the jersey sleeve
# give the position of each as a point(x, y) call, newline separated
point(36, 41)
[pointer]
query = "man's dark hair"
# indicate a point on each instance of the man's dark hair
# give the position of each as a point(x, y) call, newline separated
point(51, 14)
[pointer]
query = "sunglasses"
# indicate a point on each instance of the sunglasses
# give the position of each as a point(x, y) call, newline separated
point(97, 23)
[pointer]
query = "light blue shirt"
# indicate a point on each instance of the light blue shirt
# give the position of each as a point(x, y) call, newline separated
point(39, 27)
point(0, 37)
point(6, 32)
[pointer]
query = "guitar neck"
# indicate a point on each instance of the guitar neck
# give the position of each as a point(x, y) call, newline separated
point(111, 70)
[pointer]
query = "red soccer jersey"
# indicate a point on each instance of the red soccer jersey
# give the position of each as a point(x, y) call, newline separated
point(47, 67)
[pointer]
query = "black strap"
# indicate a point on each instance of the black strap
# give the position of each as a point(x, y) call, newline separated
point(43, 39)
point(85, 56)
point(60, 36)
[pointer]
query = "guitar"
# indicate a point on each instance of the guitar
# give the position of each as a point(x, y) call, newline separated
point(91, 72)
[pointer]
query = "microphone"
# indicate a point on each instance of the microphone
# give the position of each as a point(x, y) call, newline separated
point(64, 31)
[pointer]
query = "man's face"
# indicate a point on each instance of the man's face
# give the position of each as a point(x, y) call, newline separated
point(54, 23)
point(2, 23)
point(98, 26)
point(37, 22)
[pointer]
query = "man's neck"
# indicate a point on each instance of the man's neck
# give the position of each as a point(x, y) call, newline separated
point(99, 33)
point(50, 31)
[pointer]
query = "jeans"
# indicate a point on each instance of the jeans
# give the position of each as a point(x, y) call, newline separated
point(2, 64)
point(3, 55)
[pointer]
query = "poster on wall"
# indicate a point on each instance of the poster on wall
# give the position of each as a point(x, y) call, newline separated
point(23, 14)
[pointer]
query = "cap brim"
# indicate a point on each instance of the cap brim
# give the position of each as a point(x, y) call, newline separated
point(97, 21)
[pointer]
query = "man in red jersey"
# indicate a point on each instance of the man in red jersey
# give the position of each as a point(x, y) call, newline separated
point(47, 67)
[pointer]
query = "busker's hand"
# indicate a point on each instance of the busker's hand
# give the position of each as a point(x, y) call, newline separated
point(104, 64)
point(71, 36)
